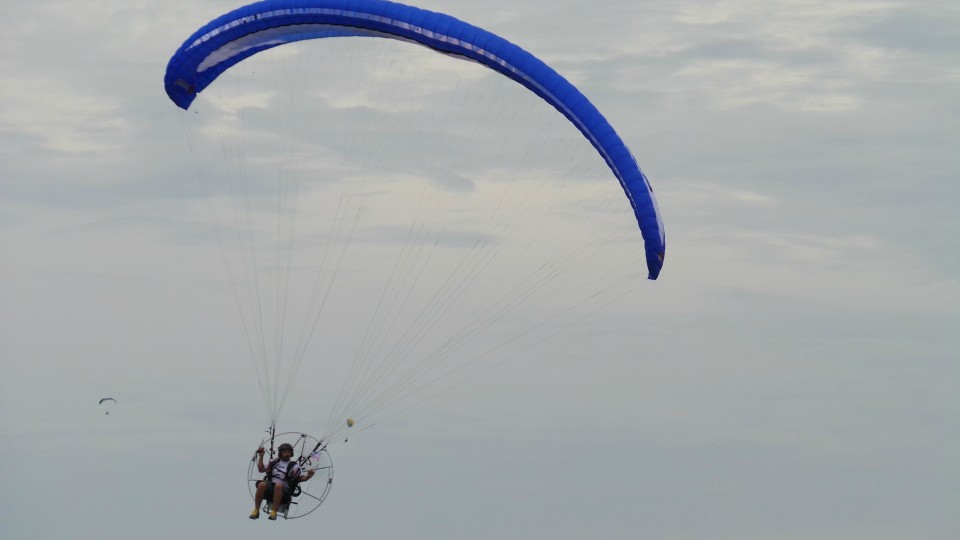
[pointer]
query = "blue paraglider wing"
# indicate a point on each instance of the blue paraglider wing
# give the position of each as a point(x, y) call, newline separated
point(229, 39)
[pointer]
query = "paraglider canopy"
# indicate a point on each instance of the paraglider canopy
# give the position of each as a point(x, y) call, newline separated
point(244, 32)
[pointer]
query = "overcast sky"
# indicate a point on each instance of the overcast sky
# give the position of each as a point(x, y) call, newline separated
point(793, 374)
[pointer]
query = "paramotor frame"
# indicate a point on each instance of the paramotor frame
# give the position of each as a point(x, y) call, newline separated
point(310, 454)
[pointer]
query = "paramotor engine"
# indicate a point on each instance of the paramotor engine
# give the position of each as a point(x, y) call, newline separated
point(309, 454)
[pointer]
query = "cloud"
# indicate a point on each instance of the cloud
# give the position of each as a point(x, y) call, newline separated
point(798, 350)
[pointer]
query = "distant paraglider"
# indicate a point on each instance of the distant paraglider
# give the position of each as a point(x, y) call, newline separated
point(104, 400)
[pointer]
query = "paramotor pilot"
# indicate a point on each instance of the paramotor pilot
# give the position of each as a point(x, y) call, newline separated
point(283, 473)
